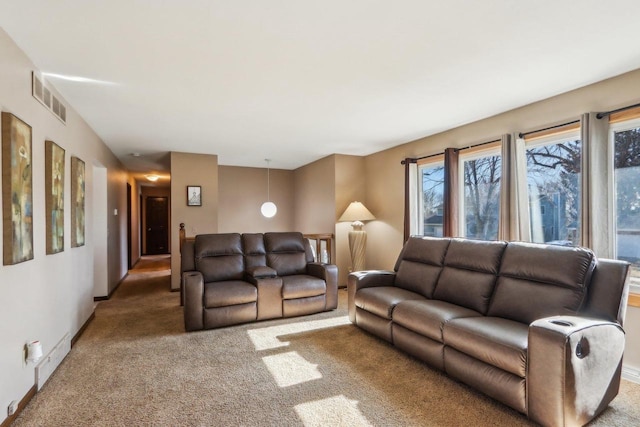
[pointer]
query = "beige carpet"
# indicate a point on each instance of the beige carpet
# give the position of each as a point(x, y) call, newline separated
point(135, 365)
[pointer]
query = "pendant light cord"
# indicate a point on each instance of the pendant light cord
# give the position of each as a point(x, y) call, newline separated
point(268, 179)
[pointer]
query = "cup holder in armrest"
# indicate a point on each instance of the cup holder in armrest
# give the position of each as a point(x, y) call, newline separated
point(561, 322)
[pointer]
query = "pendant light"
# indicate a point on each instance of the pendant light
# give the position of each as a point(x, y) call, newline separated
point(268, 208)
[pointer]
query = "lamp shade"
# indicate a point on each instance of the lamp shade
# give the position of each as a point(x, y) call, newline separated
point(356, 211)
point(268, 209)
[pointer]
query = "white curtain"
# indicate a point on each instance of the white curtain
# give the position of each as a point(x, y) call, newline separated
point(595, 203)
point(416, 211)
point(514, 203)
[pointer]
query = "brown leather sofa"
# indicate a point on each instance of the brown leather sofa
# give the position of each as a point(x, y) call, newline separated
point(536, 327)
point(231, 278)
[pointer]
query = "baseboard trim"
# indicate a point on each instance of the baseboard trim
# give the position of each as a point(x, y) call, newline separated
point(77, 336)
point(33, 390)
point(23, 403)
point(104, 298)
point(631, 374)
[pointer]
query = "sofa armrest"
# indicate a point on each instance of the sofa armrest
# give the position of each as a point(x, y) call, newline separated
point(269, 297)
point(574, 368)
point(261, 272)
point(187, 263)
point(328, 273)
point(193, 288)
point(365, 279)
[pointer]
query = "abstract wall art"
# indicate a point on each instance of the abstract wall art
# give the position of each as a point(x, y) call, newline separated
point(17, 191)
point(54, 196)
point(77, 202)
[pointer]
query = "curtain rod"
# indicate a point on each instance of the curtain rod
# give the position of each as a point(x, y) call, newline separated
point(477, 145)
point(608, 113)
point(415, 159)
point(523, 134)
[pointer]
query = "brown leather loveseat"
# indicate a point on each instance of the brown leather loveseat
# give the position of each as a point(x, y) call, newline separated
point(232, 278)
point(536, 327)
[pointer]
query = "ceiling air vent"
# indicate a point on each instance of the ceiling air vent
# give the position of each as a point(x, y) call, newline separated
point(40, 92)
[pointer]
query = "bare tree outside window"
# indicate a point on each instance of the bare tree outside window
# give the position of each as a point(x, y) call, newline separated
point(482, 197)
point(627, 198)
point(432, 199)
point(553, 178)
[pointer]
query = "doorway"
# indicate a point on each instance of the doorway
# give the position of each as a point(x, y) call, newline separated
point(129, 237)
point(157, 225)
point(99, 217)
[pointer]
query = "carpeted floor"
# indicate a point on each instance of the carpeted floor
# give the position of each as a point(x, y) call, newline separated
point(135, 365)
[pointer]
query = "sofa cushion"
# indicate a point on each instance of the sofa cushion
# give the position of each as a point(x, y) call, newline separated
point(382, 300)
point(286, 253)
point(219, 256)
point(538, 281)
point(499, 342)
point(302, 286)
point(427, 317)
point(483, 256)
point(420, 264)
point(220, 294)
point(255, 254)
point(470, 272)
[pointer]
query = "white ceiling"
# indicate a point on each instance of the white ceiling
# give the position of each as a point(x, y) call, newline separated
point(296, 80)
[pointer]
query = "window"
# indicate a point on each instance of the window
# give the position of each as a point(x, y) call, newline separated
point(431, 189)
point(553, 181)
point(626, 182)
point(480, 200)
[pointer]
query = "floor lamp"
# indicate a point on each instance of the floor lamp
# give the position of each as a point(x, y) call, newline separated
point(357, 213)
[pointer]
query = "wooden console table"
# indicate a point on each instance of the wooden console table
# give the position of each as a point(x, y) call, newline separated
point(319, 239)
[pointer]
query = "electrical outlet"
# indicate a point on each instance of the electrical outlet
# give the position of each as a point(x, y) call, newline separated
point(13, 407)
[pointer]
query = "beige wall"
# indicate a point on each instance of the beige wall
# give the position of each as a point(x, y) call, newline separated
point(385, 199)
point(51, 295)
point(116, 224)
point(323, 190)
point(385, 175)
point(242, 191)
point(136, 244)
point(314, 197)
point(192, 169)
point(350, 185)
point(632, 347)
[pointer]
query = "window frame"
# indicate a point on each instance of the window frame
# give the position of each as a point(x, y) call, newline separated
point(572, 133)
point(474, 153)
point(614, 127)
point(436, 159)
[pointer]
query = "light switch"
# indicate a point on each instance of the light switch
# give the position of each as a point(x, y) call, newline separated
point(115, 212)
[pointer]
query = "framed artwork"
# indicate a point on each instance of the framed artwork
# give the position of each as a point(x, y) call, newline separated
point(54, 196)
point(194, 195)
point(77, 202)
point(17, 191)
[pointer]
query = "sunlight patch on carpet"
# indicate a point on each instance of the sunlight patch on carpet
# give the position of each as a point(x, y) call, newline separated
point(334, 411)
point(290, 369)
point(267, 338)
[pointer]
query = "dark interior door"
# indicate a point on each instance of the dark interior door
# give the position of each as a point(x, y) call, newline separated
point(157, 221)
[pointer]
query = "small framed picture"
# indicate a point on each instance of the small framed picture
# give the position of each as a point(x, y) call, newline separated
point(194, 195)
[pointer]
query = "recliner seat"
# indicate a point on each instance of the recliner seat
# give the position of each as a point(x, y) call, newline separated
point(505, 318)
point(231, 278)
